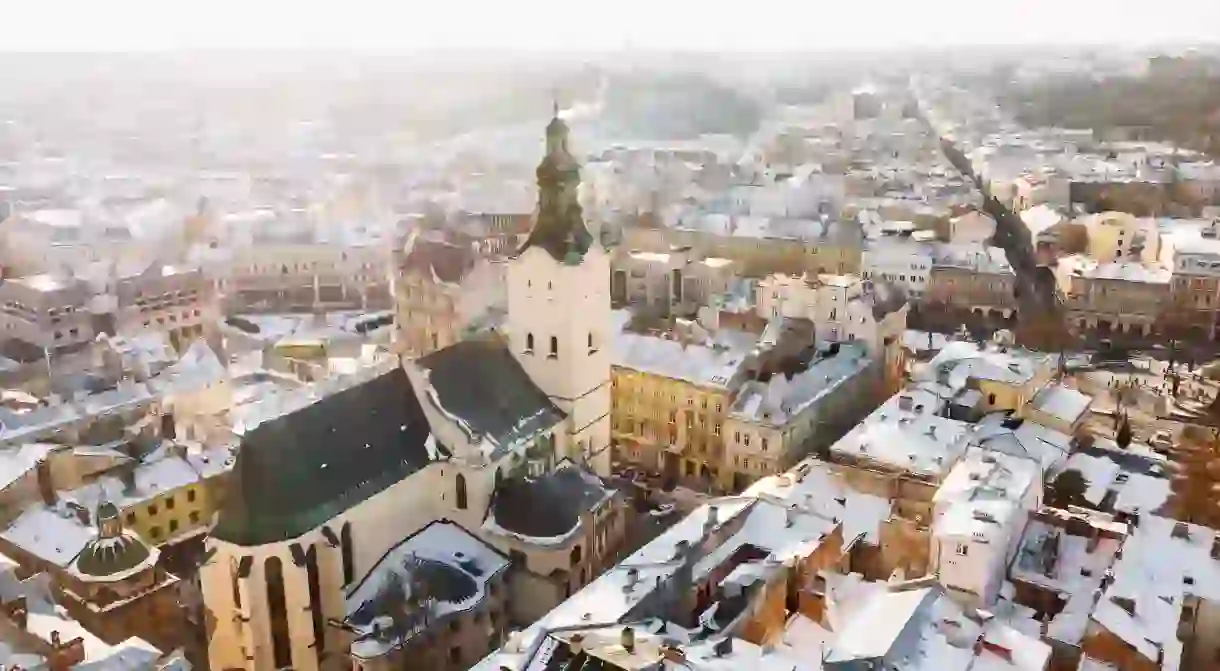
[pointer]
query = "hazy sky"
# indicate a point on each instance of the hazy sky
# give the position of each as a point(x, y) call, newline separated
point(724, 25)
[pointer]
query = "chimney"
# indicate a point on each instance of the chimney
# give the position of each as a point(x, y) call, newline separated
point(127, 475)
point(576, 643)
point(46, 488)
point(633, 577)
point(82, 514)
point(713, 518)
point(681, 548)
point(790, 515)
point(628, 639)
point(674, 654)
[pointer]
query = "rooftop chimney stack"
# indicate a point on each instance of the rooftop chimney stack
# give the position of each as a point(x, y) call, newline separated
point(628, 639)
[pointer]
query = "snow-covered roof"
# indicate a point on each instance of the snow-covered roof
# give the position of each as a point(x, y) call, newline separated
point(467, 560)
point(779, 400)
point(1063, 403)
point(923, 629)
point(815, 487)
point(1018, 437)
point(907, 434)
point(18, 460)
point(1070, 564)
point(1162, 562)
point(962, 361)
point(712, 363)
point(1125, 271)
point(974, 257)
point(983, 492)
point(924, 341)
point(54, 535)
point(1138, 482)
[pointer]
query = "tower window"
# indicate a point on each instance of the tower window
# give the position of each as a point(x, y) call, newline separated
point(281, 648)
point(529, 343)
point(461, 492)
point(346, 550)
point(554, 347)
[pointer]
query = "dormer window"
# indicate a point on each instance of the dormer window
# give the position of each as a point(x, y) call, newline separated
point(554, 354)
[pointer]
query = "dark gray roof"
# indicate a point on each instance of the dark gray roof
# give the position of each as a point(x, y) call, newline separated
point(479, 381)
point(885, 298)
point(110, 556)
point(549, 505)
point(297, 471)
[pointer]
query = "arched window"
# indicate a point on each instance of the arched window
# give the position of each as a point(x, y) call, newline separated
point(575, 555)
point(346, 549)
point(554, 347)
point(315, 600)
point(277, 609)
point(529, 342)
point(461, 492)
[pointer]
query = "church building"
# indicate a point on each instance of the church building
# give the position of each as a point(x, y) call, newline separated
point(424, 510)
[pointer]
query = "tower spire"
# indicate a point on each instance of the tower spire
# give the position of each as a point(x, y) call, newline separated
point(554, 106)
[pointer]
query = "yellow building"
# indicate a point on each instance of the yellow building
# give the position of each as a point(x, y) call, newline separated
point(1006, 378)
point(168, 498)
point(774, 424)
point(668, 402)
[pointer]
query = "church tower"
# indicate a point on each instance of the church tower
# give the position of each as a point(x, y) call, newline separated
point(559, 307)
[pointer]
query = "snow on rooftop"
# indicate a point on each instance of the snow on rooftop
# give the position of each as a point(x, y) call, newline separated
point(1062, 402)
point(1069, 564)
point(780, 399)
point(983, 492)
point(162, 474)
point(713, 363)
point(614, 593)
point(924, 341)
point(962, 361)
point(876, 625)
point(1018, 437)
point(1162, 562)
point(442, 542)
point(1125, 271)
point(784, 530)
point(17, 461)
point(905, 434)
point(814, 487)
point(1137, 489)
point(54, 536)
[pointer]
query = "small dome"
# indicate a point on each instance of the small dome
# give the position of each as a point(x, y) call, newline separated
point(106, 557)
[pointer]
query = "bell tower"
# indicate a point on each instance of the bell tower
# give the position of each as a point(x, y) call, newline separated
point(559, 307)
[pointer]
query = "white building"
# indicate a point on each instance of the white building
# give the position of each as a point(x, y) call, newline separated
point(902, 261)
point(980, 511)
